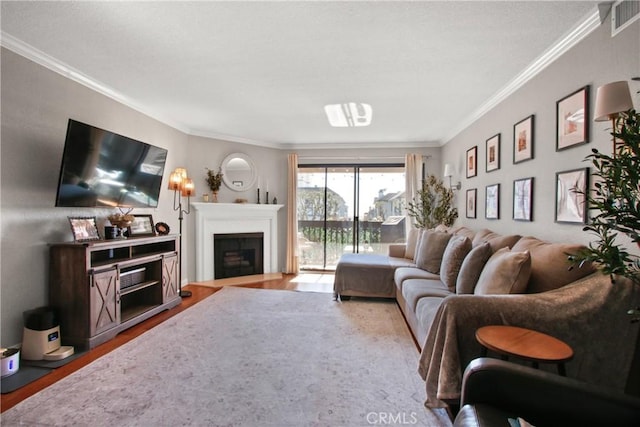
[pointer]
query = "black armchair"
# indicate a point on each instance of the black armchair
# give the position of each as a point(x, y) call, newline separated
point(495, 390)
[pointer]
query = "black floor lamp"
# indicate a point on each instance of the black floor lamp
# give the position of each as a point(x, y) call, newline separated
point(182, 186)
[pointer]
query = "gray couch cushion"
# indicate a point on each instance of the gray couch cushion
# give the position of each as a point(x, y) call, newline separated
point(404, 273)
point(426, 310)
point(455, 253)
point(414, 289)
point(431, 249)
point(472, 267)
point(506, 272)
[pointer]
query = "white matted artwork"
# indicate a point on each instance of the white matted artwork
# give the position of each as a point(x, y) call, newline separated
point(572, 114)
point(471, 202)
point(492, 202)
point(523, 199)
point(523, 140)
point(571, 202)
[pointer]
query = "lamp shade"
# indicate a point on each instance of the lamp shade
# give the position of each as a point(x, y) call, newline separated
point(448, 170)
point(612, 99)
point(188, 188)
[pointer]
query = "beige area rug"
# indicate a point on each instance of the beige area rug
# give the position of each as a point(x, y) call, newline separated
point(250, 357)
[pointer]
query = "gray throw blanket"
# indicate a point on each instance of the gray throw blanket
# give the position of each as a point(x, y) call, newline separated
point(590, 315)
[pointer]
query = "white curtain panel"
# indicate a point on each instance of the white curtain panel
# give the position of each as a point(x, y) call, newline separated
point(413, 173)
point(292, 264)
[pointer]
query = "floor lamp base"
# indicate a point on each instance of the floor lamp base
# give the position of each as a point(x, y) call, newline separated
point(185, 294)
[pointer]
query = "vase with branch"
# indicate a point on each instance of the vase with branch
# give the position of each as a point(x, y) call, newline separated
point(214, 181)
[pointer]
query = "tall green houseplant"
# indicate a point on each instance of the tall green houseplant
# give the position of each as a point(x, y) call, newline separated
point(433, 205)
point(615, 203)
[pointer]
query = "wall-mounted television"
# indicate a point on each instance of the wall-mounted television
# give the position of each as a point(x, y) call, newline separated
point(101, 169)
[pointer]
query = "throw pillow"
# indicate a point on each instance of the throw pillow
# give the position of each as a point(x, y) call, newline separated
point(430, 251)
point(412, 242)
point(506, 272)
point(454, 254)
point(472, 267)
point(418, 242)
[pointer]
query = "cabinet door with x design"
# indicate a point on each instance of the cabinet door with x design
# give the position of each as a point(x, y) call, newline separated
point(104, 296)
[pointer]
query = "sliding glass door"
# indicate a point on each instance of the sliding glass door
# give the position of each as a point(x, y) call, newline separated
point(346, 209)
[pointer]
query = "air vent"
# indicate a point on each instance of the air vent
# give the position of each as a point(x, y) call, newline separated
point(623, 14)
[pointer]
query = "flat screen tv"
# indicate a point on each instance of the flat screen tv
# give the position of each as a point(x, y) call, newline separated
point(101, 169)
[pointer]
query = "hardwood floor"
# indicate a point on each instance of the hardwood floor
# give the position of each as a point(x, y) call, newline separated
point(309, 282)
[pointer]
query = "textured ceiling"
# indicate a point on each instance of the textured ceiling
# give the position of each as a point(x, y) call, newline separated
point(261, 72)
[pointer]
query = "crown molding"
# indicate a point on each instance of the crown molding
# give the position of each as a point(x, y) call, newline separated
point(26, 50)
point(569, 40)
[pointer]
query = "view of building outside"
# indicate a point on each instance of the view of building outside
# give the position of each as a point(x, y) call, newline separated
point(327, 206)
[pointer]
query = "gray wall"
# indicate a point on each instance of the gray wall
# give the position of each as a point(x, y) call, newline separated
point(36, 105)
point(597, 60)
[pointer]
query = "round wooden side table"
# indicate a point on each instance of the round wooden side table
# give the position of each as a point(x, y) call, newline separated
point(526, 344)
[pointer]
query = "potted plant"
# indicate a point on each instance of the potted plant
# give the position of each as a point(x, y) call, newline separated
point(433, 205)
point(616, 204)
point(214, 181)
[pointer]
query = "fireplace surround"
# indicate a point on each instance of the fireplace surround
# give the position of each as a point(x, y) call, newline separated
point(224, 218)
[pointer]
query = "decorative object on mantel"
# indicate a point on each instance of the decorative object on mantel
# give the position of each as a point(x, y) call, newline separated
point(214, 180)
point(182, 186)
point(241, 201)
point(615, 204)
point(275, 201)
point(258, 196)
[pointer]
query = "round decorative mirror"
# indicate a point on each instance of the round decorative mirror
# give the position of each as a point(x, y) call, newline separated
point(238, 172)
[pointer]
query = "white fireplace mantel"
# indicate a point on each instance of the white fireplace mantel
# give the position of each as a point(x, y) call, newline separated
point(213, 218)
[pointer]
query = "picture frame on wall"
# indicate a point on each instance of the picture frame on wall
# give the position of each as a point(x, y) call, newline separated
point(523, 199)
point(492, 202)
point(472, 162)
point(493, 153)
point(84, 228)
point(523, 140)
point(142, 225)
point(472, 202)
point(571, 201)
point(572, 119)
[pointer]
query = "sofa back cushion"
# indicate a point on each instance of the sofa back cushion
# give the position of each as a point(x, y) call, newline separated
point(506, 272)
point(412, 243)
point(464, 231)
point(430, 250)
point(549, 264)
point(454, 254)
point(496, 240)
point(472, 267)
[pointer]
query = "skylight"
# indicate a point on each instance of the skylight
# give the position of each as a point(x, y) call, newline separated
point(350, 114)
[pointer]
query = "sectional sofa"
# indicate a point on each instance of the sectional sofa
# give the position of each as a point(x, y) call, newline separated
point(448, 282)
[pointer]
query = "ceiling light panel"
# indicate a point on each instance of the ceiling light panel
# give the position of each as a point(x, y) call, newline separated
point(349, 114)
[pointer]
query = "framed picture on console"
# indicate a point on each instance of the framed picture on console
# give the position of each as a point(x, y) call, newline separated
point(84, 229)
point(142, 225)
point(572, 119)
